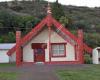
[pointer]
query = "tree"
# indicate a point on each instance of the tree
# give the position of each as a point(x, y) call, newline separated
point(65, 21)
point(11, 37)
point(1, 39)
point(57, 10)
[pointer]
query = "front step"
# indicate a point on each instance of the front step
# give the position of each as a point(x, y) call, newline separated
point(39, 63)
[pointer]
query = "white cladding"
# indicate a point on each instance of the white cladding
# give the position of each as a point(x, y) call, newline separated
point(43, 37)
point(4, 47)
point(28, 52)
point(12, 58)
point(96, 55)
point(4, 58)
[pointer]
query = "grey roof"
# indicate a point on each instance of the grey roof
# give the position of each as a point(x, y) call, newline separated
point(6, 45)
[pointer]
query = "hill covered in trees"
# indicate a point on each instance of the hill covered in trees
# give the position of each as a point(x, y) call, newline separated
point(26, 14)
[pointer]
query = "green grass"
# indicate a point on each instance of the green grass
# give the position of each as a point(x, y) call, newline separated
point(8, 76)
point(7, 64)
point(90, 73)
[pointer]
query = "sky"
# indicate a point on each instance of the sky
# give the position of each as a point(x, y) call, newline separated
point(89, 3)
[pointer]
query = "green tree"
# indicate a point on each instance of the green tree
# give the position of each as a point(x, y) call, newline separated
point(57, 10)
point(1, 39)
point(66, 21)
point(11, 37)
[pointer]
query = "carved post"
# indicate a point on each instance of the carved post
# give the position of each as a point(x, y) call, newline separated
point(80, 46)
point(18, 48)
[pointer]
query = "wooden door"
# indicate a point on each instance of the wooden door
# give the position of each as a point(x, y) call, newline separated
point(39, 55)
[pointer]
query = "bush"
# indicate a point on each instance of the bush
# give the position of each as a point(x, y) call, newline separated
point(92, 39)
point(1, 40)
point(11, 37)
point(88, 59)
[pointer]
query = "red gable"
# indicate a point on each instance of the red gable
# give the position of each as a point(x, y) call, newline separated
point(49, 20)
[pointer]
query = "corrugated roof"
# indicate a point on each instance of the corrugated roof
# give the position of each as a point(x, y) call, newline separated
point(7, 45)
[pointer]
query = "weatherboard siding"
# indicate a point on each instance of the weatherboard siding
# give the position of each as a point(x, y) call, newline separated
point(12, 58)
point(28, 52)
point(4, 58)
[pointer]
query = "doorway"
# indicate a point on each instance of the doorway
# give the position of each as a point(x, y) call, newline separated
point(39, 55)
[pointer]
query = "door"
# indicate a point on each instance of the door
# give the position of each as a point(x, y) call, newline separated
point(39, 55)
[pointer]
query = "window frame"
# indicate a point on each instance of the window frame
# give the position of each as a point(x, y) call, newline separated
point(64, 54)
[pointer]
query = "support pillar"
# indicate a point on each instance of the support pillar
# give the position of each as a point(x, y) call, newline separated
point(18, 48)
point(49, 24)
point(80, 46)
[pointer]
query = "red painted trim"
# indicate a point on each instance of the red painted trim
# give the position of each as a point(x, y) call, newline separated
point(61, 28)
point(49, 20)
point(63, 62)
point(18, 48)
point(66, 40)
point(87, 48)
point(55, 62)
point(75, 48)
point(64, 43)
point(80, 44)
point(39, 45)
point(32, 33)
point(21, 54)
point(49, 28)
point(64, 54)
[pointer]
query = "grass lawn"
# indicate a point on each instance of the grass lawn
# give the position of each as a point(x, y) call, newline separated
point(8, 76)
point(7, 64)
point(90, 73)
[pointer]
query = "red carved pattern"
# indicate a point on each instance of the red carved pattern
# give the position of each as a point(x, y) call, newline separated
point(80, 46)
point(29, 35)
point(87, 48)
point(61, 28)
point(18, 48)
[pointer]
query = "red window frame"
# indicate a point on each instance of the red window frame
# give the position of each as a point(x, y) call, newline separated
point(64, 54)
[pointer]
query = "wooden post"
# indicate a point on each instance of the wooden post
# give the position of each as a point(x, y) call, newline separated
point(18, 48)
point(49, 31)
point(80, 46)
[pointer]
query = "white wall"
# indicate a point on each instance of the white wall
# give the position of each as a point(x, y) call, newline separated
point(12, 58)
point(28, 53)
point(4, 58)
point(70, 54)
point(95, 56)
point(99, 53)
point(42, 37)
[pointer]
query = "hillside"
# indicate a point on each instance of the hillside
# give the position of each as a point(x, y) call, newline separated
point(87, 17)
point(37, 9)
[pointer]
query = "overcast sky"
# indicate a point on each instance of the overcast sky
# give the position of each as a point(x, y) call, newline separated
point(89, 3)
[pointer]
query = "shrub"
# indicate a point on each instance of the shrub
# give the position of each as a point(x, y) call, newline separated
point(88, 59)
point(1, 39)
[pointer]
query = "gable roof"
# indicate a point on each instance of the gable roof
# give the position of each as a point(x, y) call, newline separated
point(46, 21)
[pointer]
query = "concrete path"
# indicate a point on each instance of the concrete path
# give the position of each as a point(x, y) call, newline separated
point(39, 71)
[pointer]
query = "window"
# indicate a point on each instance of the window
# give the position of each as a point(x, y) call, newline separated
point(58, 50)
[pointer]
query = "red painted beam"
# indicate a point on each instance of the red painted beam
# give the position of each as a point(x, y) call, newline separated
point(61, 28)
point(33, 32)
point(87, 48)
point(18, 48)
point(80, 46)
